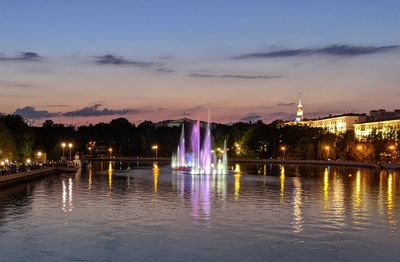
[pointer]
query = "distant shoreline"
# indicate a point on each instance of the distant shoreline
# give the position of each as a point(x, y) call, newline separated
point(268, 161)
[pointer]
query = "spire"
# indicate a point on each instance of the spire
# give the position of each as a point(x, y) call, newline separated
point(300, 112)
point(300, 105)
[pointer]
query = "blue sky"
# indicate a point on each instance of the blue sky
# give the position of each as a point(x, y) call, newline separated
point(184, 46)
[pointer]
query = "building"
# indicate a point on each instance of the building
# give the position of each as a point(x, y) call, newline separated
point(382, 114)
point(338, 124)
point(363, 130)
point(300, 112)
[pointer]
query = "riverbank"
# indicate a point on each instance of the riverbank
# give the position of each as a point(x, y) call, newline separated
point(267, 161)
point(12, 178)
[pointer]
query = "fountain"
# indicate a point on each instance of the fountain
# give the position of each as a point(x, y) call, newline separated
point(199, 160)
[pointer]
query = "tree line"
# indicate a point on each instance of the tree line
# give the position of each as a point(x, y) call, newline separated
point(19, 140)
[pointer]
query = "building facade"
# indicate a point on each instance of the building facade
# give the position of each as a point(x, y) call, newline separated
point(363, 130)
point(338, 124)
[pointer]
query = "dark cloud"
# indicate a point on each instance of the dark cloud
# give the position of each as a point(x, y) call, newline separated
point(286, 104)
point(165, 70)
point(121, 61)
point(251, 117)
point(30, 112)
point(234, 76)
point(24, 56)
point(332, 50)
point(96, 111)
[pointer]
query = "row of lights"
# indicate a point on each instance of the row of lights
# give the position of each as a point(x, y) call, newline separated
point(64, 145)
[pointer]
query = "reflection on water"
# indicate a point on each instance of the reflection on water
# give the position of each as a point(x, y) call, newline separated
point(282, 182)
point(110, 176)
point(297, 202)
point(302, 212)
point(200, 192)
point(326, 188)
point(390, 201)
point(67, 194)
point(156, 172)
point(90, 177)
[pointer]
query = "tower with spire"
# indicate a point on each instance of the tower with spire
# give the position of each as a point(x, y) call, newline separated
point(300, 112)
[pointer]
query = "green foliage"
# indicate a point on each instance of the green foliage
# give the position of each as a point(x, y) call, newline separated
point(258, 140)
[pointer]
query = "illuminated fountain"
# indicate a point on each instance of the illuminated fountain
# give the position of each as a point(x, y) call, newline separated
point(199, 160)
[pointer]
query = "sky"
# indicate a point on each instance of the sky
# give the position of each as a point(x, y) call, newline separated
point(80, 62)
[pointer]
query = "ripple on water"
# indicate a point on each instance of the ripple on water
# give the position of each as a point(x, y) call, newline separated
point(136, 215)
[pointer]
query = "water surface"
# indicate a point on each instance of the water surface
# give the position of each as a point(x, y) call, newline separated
point(255, 213)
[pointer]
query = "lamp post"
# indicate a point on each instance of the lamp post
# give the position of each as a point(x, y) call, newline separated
point(155, 147)
point(110, 150)
point(283, 148)
point(63, 145)
point(70, 152)
point(360, 149)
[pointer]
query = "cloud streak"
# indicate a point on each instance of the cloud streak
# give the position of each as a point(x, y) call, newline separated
point(22, 57)
point(31, 112)
point(4, 83)
point(232, 76)
point(109, 59)
point(95, 110)
point(286, 104)
point(332, 50)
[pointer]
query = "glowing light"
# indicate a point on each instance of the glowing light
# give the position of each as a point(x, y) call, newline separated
point(28, 161)
point(70, 145)
point(39, 154)
point(63, 145)
point(155, 147)
point(237, 168)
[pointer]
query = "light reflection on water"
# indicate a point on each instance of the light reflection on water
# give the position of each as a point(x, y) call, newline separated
point(257, 212)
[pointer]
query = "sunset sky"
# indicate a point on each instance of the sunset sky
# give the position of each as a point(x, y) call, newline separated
point(87, 61)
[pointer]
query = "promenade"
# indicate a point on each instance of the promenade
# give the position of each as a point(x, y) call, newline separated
point(17, 177)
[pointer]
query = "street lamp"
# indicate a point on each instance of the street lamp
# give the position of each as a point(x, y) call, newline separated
point(70, 153)
point(283, 148)
point(155, 147)
point(110, 150)
point(393, 149)
point(63, 145)
point(327, 148)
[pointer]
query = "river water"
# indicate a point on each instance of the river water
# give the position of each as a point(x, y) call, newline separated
point(130, 212)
